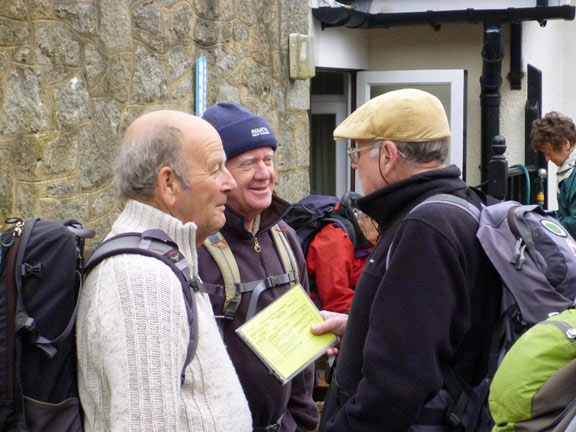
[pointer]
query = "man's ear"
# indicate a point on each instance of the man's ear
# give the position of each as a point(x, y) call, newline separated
point(167, 186)
point(388, 157)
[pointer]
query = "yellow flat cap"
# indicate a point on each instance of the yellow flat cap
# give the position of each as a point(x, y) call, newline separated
point(407, 115)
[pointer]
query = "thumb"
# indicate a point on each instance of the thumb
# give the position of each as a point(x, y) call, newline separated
point(319, 328)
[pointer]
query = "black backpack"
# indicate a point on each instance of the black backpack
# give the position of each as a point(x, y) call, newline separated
point(40, 278)
point(313, 212)
point(41, 273)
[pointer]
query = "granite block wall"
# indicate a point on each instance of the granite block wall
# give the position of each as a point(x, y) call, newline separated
point(75, 73)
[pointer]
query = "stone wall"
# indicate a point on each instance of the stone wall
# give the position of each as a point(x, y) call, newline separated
point(75, 73)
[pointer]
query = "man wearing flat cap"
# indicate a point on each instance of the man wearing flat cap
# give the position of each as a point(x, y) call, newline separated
point(425, 305)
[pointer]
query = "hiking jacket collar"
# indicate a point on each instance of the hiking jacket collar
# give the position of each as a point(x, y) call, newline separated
point(268, 218)
point(397, 199)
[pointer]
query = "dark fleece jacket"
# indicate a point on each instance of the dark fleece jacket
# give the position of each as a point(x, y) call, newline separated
point(267, 398)
point(434, 304)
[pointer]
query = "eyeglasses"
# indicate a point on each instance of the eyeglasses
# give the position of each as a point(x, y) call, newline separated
point(353, 152)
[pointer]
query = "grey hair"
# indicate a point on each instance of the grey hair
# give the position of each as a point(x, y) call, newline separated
point(425, 152)
point(420, 152)
point(143, 155)
point(375, 151)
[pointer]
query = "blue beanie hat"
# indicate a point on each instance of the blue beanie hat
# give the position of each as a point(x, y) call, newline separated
point(239, 129)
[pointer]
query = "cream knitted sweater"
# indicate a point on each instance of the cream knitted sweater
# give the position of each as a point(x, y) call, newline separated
point(132, 335)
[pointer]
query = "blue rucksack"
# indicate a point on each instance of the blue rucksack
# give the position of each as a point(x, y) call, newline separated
point(313, 212)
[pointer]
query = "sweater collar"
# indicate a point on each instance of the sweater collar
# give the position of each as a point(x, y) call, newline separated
point(567, 167)
point(388, 203)
point(139, 217)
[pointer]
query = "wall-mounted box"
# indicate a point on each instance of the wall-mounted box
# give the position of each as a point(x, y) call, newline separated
point(301, 53)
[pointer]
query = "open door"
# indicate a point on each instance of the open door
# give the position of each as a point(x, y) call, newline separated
point(329, 106)
point(328, 157)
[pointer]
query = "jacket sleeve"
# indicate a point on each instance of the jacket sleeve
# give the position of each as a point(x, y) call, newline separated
point(132, 340)
point(331, 259)
point(418, 316)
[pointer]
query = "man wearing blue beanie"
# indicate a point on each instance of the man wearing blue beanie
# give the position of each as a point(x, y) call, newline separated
point(255, 258)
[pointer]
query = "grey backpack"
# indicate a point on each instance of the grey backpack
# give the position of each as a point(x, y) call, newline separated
point(533, 254)
point(536, 260)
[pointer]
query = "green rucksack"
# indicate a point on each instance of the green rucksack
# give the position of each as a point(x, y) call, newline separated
point(534, 388)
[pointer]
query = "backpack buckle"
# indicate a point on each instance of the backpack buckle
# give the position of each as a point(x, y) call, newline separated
point(195, 284)
point(30, 325)
point(28, 270)
point(229, 315)
point(230, 311)
point(453, 420)
point(519, 258)
point(517, 322)
point(270, 282)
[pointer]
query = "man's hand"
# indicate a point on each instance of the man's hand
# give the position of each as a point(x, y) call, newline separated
point(333, 322)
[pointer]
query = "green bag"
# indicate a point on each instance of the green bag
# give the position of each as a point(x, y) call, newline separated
point(534, 389)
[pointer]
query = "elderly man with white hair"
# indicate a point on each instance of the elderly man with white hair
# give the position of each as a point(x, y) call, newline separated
point(428, 299)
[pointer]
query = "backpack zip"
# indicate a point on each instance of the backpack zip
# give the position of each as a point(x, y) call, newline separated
point(11, 315)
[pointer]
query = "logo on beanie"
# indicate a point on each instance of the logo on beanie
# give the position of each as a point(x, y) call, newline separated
point(260, 131)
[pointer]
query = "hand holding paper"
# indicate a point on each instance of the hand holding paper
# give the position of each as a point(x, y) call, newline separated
point(280, 334)
point(333, 322)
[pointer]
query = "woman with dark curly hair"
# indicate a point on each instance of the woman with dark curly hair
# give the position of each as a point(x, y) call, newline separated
point(555, 136)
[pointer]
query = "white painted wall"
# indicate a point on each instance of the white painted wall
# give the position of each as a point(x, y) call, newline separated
point(340, 47)
point(458, 46)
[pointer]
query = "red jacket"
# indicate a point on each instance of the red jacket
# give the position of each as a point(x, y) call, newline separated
point(331, 260)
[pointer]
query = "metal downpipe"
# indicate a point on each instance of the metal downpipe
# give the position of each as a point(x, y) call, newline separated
point(490, 82)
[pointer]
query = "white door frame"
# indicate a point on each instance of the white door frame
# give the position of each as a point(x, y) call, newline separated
point(456, 78)
point(338, 107)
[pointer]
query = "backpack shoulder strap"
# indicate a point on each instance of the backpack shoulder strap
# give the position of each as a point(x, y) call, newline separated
point(468, 407)
point(290, 274)
point(157, 244)
point(344, 223)
point(218, 248)
point(453, 200)
point(286, 253)
point(445, 199)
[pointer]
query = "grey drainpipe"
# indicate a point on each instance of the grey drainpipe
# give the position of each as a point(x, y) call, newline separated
point(490, 81)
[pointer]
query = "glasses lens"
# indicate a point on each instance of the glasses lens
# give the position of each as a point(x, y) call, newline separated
point(352, 155)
